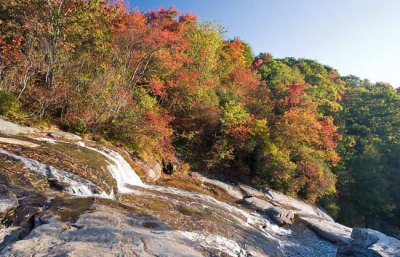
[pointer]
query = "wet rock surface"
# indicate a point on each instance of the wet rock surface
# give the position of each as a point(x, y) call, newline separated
point(104, 233)
point(64, 136)
point(9, 128)
point(182, 215)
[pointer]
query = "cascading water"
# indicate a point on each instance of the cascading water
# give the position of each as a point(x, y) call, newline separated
point(256, 229)
point(75, 185)
point(120, 169)
point(127, 178)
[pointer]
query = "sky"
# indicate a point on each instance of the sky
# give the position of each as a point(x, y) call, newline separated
point(360, 37)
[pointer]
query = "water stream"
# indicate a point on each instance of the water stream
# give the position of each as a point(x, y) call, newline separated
point(127, 181)
point(120, 169)
point(257, 229)
point(73, 184)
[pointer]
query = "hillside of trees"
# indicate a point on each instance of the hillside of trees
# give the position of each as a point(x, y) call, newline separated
point(171, 88)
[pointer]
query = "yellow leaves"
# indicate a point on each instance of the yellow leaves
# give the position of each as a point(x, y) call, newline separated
point(260, 128)
point(145, 101)
point(189, 136)
point(233, 114)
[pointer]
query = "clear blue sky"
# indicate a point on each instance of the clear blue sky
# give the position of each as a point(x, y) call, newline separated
point(360, 37)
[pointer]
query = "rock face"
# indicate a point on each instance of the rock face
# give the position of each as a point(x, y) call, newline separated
point(277, 214)
point(64, 136)
point(40, 216)
point(10, 128)
point(290, 212)
point(296, 206)
point(230, 190)
point(7, 199)
point(105, 233)
point(13, 141)
point(329, 230)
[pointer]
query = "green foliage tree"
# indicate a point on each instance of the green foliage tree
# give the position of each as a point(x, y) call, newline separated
point(368, 173)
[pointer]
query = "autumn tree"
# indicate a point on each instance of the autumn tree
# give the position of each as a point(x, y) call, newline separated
point(53, 35)
point(168, 87)
point(298, 151)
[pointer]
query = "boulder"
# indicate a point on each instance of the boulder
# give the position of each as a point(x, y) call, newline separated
point(249, 191)
point(64, 136)
point(326, 228)
point(329, 230)
point(151, 168)
point(231, 190)
point(370, 243)
point(277, 214)
point(299, 207)
point(7, 199)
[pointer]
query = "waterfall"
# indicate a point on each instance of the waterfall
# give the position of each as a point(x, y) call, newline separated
point(128, 182)
point(121, 170)
point(127, 179)
point(74, 184)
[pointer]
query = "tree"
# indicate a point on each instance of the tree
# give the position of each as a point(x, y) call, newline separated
point(368, 171)
point(302, 139)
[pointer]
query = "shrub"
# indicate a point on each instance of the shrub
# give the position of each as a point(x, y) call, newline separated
point(333, 209)
point(185, 168)
point(79, 127)
point(9, 105)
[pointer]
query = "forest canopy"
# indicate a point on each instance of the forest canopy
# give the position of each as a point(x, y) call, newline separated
point(174, 89)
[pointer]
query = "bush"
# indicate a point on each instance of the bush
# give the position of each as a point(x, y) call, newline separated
point(100, 139)
point(9, 105)
point(333, 209)
point(185, 168)
point(79, 127)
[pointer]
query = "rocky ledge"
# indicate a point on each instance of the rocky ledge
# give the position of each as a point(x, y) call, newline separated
point(177, 215)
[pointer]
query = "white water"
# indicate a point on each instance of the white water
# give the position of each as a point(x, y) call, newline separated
point(126, 179)
point(245, 218)
point(120, 169)
point(45, 139)
point(128, 182)
point(217, 242)
point(76, 185)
